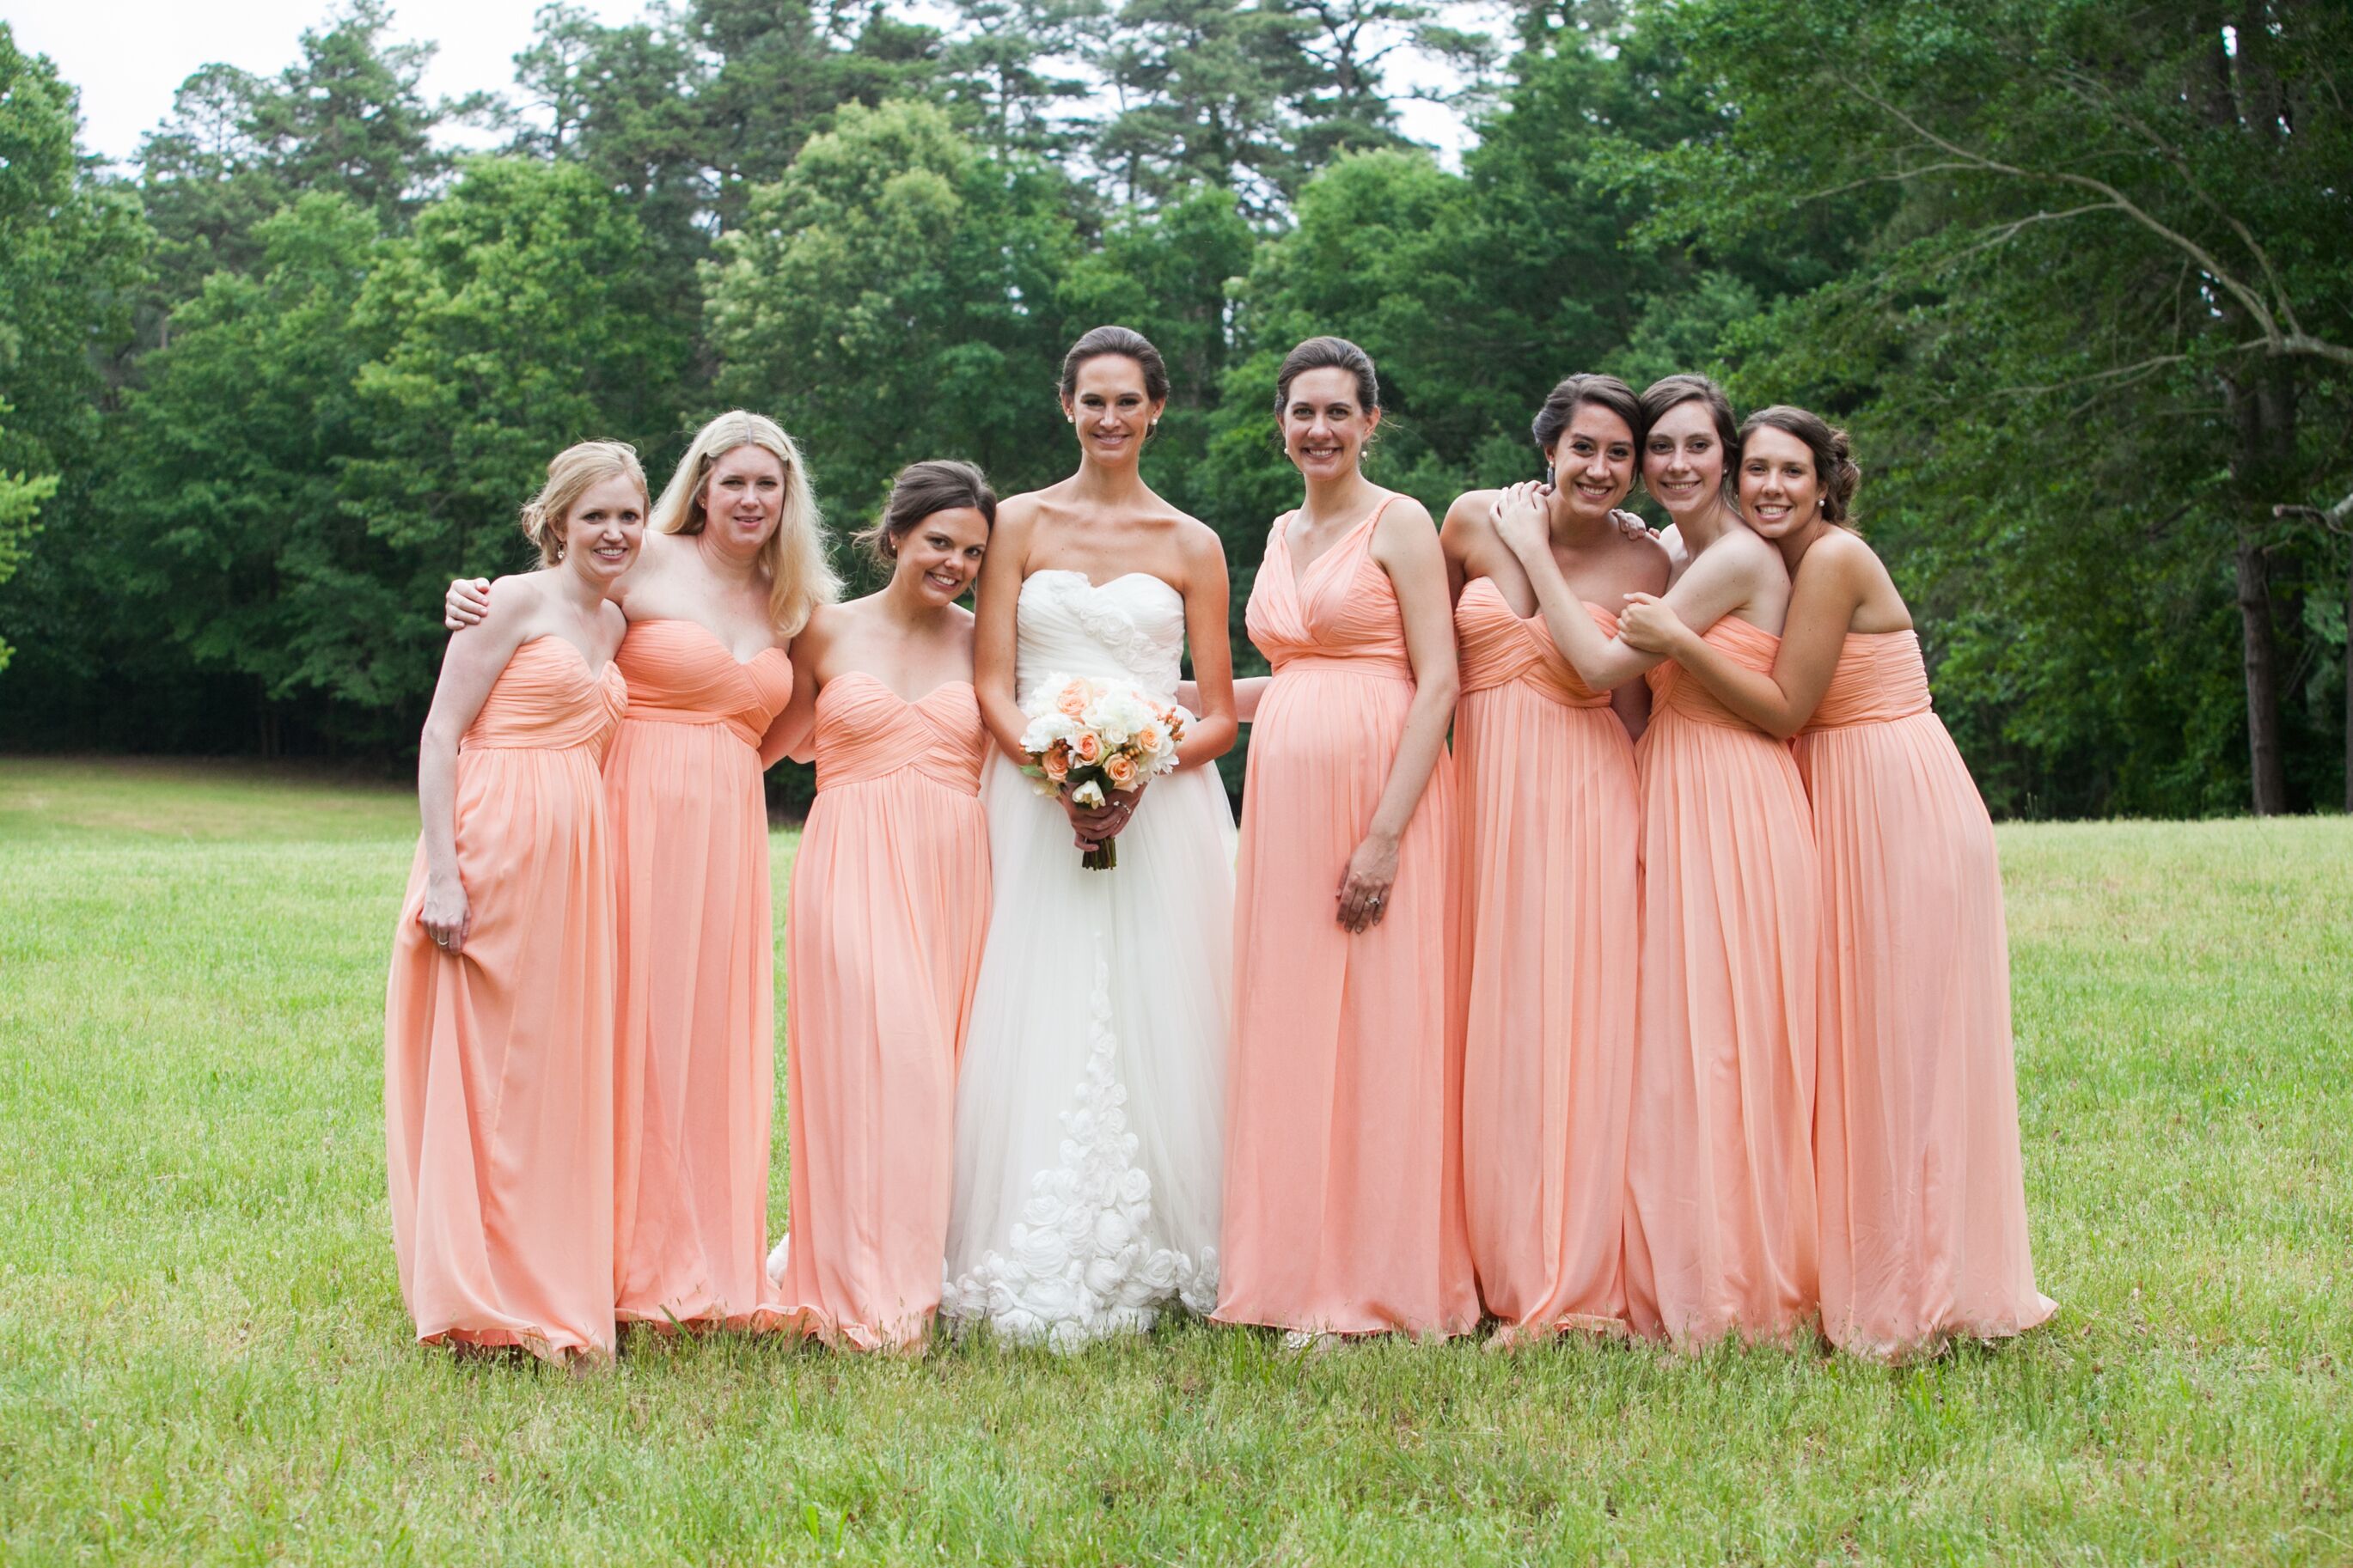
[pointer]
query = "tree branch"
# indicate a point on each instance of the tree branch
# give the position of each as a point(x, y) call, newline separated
point(2205, 258)
point(2335, 518)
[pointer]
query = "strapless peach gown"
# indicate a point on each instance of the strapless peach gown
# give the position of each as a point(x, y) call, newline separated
point(497, 1062)
point(1344, 1175)
point(1551, 814)
point(889, 907)
point(1720, 1223)
point(1915, 1126)
point(694, 1051)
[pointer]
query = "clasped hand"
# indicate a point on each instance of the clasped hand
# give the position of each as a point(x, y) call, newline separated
point(1097, 826)
point(1648, 625)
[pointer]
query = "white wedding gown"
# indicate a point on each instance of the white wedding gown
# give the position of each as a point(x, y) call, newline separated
point(1091, 1100)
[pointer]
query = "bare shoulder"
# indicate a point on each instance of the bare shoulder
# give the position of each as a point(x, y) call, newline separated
point(516, 597)
point(825, 623)
point(1021, 511)
point(1472, 514)
point(1647, 559)
point(1846, 553)
point(1196, 541)
point(1015, 526)
point(1405, 534)
point(1468, 536)
point(1749, 551)
point(1401, 510)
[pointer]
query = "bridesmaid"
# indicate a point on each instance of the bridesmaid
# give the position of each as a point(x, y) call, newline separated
point(1923, 1197)
point(498, 1089)
point(1720, 1223)
point(1550, 808)
point(889, 906)
point(732, 569)
point(1344, 1197)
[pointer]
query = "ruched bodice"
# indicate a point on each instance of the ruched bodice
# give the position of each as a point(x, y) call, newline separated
point(1675, 692)
point(680, 673)
point(1880, 676)
point(1130, 628)
point(1497, 647)
point(547, 699)
point(1343, 613)
point(866, 731)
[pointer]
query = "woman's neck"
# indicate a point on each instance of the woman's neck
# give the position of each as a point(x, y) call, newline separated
point(1343, 498)
point(577, 590)
point(1794, 545)
point(1117, 485)
point(1705, 524)
point(903, 604)
point(1570, 528)
point(724, 561)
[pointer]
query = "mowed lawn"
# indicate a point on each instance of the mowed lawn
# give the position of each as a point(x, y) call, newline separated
point(203, 1354)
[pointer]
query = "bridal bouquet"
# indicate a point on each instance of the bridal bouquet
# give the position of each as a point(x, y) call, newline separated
point(1086, 737)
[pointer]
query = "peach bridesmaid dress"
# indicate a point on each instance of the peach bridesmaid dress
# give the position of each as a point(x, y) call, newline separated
point(1344, 1176)
point(694, 1052)
point(890, 908)
point(1915, 1126)
point(1551, 813)
point(1720, 1223)
point(498, 1061)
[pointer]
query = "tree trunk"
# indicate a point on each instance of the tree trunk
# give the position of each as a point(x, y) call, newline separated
point(2265, 769)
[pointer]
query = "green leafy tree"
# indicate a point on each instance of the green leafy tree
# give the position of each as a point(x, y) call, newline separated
point(513, 320)
point(225, 514)
point(73, 254)
point(2113, 219)
point(893, 298)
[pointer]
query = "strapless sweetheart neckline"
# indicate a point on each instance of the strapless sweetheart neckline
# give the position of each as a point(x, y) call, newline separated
point(596, 671)
point(904, 702)
point(1098, 587)
point(719, 641)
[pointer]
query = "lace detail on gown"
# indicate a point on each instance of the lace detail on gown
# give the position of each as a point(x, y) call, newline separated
point(1151, 660)
point(1080, 1267)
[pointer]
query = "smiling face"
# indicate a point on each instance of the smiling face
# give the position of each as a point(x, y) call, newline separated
point(1593, 461)
point(1110, 408)
point(745, 496)
point(1780, 493)
point(941, 556)
point(603, 530)
point(1683, 457)
point(1325, 425)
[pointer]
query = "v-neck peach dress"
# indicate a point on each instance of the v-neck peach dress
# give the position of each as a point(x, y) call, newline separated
point(1551, 817)
point(1721, 1223)
point(694, 1053)
point(1922, 1196)
point(1344, 1176)
point(498, 1061)
point(888, 911)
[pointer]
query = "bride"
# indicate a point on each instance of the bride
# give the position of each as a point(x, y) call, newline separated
point(1090, 1098)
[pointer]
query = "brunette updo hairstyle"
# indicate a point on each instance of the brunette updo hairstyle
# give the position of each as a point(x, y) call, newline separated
point(1670, 392)
point(941, 484)
point(571, 474)
point(1125, 341)
point(1560, 406)
point(1328, 353)
point(1834, 465)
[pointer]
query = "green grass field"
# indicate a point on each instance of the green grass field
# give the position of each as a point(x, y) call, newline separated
point(203, 1354)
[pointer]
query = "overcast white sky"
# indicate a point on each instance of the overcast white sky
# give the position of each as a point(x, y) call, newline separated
point(128, 57)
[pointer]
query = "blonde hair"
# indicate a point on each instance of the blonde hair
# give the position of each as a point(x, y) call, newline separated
point(799, 579)
point(571, 474)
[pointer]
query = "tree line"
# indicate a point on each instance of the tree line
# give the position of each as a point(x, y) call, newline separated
point(2073, 272)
